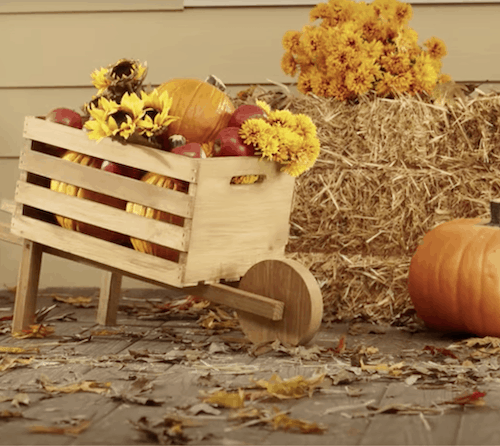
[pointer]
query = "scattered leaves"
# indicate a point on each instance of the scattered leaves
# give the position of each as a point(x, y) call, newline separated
point(167, 431)
point(283, 422)
point(8, 362)
point(18, 350)
point(219, 320)
point(474, 398)
point(21, 398)
point(438, 350)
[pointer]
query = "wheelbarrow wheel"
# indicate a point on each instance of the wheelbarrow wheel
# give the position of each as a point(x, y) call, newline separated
point(291, 283)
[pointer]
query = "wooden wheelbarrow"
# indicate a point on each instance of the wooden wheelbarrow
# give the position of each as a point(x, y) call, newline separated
point(229, 248)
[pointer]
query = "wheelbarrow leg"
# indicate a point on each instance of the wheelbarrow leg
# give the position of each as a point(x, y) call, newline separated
point(27, 286)
point(109, 298)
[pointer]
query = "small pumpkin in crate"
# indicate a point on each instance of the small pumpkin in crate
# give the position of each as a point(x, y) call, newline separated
point(153, 248)
point(79, 192)
point(454, 277)
point(203, 109)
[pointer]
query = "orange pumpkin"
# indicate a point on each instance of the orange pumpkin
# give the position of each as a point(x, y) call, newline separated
point(202, 108)
point(153, 248)
point(79, 192)
point(454, 278)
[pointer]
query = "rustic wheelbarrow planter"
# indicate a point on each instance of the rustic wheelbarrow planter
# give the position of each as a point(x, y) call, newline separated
point(233, 234)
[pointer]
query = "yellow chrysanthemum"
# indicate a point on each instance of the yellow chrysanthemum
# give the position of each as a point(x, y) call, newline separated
point(304, 126)
point(268, 143)
point(402, 13)
point(291, 41)
point(425, 74)
point(252, 129)
point(435, 48)
point(304, 82)
point(360, 81)
point(294, 169)
point(281, 118)
point(311, 40)
point(320, 11)
point(289, 64)
point(155, 118)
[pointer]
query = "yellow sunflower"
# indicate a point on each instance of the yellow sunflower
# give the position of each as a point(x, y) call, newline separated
point(155, 118)
point(100, 80)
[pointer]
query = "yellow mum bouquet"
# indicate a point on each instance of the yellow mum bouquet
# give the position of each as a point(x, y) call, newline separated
point(361, 47)
point(282, 136)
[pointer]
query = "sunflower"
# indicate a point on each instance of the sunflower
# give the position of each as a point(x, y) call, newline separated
point(100, 80)
point(155, 118)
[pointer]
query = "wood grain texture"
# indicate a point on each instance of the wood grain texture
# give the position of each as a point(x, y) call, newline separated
point(7, 236)
point(109, 298)
point(27, 286)
point(289, 282)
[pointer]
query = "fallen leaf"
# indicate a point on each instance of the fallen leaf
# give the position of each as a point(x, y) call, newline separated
point(84, 386)
point(8, 363)
point(69, 430)
point(222, 398)
point(34, 331)
point(18, 350)
point(474, 398)
point(203, 408)
point(9, 414)
point(167, 431)
point(106, 332)
point(443, 351)
point(283, 422)
point(21, 398)
point(296, 387)
point(80, 301)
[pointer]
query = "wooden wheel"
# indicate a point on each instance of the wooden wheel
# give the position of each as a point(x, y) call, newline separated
point(290, 282)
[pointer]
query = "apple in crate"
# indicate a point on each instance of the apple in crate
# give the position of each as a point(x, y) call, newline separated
point(120, 169)
point(192, 149)
point(244, 112)
point(65, 116)
point(229, 143)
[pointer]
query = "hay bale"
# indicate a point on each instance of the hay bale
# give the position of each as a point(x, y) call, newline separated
point(389, 171)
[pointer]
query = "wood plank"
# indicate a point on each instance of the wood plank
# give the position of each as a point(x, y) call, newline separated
point(100, 251)
point(107, 183)
point(409, 429)
point(7, 205)
point(236, 226)
point(241, 300)
point(7, 236)
point(103, 216)
point(23, 6)
point(27, 286)
point(109, 298)
point(141, 157)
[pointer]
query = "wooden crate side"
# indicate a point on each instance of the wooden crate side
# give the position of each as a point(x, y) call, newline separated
point(100, 251)
point(107, 183)
point(133, 155)
point(235, 226)
point(102, 216)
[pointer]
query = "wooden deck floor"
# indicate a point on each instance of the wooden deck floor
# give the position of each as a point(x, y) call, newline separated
point(146, 383)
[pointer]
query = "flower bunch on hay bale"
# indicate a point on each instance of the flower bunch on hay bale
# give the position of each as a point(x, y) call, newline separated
point(361, 47)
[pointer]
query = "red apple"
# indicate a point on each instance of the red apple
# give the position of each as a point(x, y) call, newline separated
point(192, 149)
point(244, 112)
point(65, 116)
point(229, 143)
point(120, 169)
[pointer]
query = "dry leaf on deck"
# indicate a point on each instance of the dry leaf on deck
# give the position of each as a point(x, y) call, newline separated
point(21, 398)
point(84, 386)
point(436, 350)
point(9, 414)
point(296, 387)
point(80, 301)
point(106, 332)
point(19, 350)
point(488, 341)
point(283, 422)
point(69, 430)
point(474, 398)
point(222, 398)
point(8, 363)
point(167, 431)
point(34, 331)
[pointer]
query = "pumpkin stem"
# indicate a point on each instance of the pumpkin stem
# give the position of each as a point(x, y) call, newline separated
point(495, 213)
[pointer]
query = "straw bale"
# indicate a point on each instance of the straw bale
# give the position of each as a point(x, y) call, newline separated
point(389, 171)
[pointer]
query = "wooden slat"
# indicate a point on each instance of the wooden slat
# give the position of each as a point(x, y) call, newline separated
point(7, 236)
point(241, 300)
point(22, 6)
point(109, 298)
point(7, 205)
point(107, 183)
point(100, 251)
point(102, 216)
point(141, 157)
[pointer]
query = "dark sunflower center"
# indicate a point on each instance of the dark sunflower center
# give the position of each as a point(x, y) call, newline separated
point(120, 117)
point(151, 112)
point(123, 69)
